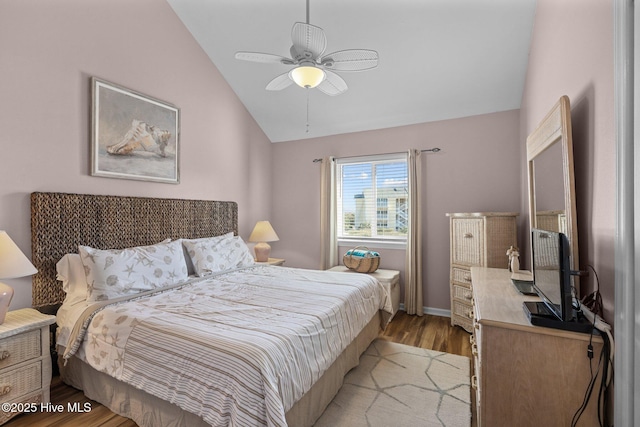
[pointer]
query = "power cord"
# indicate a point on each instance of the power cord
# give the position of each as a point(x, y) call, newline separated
point(605, 361)
point(594, 300)
point(603, 390)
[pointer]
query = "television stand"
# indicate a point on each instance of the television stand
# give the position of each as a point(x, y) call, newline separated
point(526, 375)
point(539, 315)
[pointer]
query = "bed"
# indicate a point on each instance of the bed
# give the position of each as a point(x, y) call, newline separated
point(218, 340)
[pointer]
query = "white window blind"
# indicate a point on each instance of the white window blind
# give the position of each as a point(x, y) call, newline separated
point(372, 198)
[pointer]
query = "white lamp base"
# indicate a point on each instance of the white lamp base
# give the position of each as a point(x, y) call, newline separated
point(262, 251)
point(6, 294)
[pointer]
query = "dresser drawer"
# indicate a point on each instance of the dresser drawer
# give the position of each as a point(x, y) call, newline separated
point(461, 275)
point(19, 348)
point(462, 315)
point(464, 310)
point(18, 382)
point(468, 241)
point(462, 293)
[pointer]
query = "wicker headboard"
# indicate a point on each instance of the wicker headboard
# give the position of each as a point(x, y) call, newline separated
point(60, 222)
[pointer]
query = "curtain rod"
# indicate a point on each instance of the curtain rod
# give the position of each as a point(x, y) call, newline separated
point(433, 150)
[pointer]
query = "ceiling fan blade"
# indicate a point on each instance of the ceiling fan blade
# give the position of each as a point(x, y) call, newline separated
point(351, 60)
point(265, 58)
point(333, 84)
point(280, 82)
point(309, 41)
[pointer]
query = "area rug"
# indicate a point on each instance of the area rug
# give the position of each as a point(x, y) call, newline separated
point(400, 385)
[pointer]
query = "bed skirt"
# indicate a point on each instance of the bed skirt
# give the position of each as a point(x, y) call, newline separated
point(148, 410)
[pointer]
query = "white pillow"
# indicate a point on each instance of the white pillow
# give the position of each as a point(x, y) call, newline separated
point(214, 254)
point(74, 281)
point(116, 272)
point(190, 268)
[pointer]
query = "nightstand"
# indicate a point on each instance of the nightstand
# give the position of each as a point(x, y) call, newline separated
point(389, 278)
point(272, 261)
point(25, 359)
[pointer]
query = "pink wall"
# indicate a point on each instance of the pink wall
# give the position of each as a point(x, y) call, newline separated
point(572, 54)
point(476, 170)
point(48, 52)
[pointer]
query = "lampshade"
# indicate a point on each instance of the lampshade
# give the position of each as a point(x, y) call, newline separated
point(307, 76)
point(263, 232)
point(13, 263)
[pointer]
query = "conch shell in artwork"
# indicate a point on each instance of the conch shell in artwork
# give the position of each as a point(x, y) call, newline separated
point(141, 137)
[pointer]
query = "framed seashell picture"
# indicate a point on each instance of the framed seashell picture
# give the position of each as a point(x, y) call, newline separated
point(133, 136)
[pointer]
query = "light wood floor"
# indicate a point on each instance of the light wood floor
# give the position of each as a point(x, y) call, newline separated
point(431, 332)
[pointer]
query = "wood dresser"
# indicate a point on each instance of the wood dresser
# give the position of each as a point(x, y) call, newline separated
point(25, 362)
point(526, 375)
point(476, 239)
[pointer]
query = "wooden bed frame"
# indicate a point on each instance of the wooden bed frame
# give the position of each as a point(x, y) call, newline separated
point(60, 222)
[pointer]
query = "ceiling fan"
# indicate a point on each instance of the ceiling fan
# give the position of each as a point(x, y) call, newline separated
point(313, 68)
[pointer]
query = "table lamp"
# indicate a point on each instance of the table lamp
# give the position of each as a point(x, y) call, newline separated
point(13, 264)
point(262, 233)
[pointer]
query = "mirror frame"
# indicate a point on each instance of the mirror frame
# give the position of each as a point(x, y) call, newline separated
point(554, 128)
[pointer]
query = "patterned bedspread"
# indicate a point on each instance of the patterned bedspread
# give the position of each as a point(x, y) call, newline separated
point(239, 348)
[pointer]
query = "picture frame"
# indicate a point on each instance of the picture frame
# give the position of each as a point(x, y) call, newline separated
point(133, 135)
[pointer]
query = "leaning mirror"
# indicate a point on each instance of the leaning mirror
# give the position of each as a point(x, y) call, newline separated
point(552, 201)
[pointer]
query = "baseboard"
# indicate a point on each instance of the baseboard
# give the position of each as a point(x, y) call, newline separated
point(432, 311)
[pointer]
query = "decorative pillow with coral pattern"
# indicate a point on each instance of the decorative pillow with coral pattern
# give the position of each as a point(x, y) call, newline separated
point(210, 240)
point(216, 254)
point(113, 273)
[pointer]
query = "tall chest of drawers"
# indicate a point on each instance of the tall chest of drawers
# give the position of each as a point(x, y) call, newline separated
point(25, 360)
point(476, 239)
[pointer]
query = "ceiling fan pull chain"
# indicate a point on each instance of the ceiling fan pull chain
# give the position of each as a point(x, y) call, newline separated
point(307, 90)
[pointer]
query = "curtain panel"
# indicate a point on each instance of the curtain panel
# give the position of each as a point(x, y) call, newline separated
point(413, 263)
point(328, 201)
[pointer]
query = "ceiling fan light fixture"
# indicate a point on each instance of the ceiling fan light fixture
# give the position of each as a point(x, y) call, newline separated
point(307, 76)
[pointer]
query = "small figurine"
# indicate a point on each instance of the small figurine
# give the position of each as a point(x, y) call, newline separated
point(514, 259)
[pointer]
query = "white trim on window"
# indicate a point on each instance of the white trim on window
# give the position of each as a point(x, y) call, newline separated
point(370, 199)
point(373, 243)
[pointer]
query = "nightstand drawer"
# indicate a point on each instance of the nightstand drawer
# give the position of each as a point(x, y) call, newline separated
point(19, 348)
point(26, 401)
point(18, 382)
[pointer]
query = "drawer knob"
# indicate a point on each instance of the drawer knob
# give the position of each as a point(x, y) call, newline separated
point(470, 314)
point(5, 354)
point(474, 382)
point(468, 295)
point(468, 235)
point(5, 389)
point(474, 349)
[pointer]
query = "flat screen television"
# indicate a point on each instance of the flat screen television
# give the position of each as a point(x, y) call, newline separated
point(552, 272)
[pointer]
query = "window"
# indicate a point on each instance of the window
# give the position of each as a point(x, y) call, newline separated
point(372, 198)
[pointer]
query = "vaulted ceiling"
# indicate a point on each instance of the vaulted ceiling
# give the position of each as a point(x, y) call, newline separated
point(438, 59)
